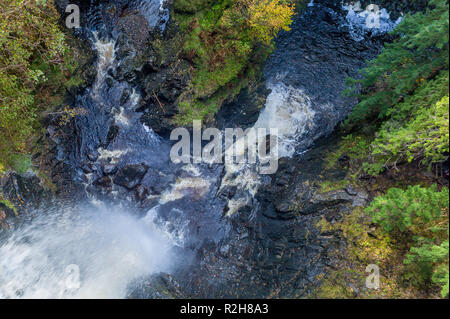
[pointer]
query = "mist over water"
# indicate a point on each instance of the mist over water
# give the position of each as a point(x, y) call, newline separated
point(86, 252)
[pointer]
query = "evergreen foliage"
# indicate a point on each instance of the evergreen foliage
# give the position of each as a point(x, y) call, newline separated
point(419, 53)
point(402, 210)
point(425, 136)
point(422, 214)
point(430, 260)
point(406, 90)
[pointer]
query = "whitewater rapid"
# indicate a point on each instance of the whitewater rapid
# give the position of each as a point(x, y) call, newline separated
point(93, 251)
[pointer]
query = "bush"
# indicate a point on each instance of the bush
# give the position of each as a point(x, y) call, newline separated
point(31, 44)
point(425, 137)
point(405, 93)
point(404, 209)
point(430, 261)
point(226, 41)
point(420, 213)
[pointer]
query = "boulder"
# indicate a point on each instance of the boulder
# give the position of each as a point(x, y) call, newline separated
point(130, 176)
point(158, 286)
point(104, 182)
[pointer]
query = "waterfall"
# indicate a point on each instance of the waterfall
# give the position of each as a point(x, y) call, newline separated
point(84, 252)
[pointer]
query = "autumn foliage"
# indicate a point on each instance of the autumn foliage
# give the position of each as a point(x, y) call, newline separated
point(227, 40)
point(267, 18)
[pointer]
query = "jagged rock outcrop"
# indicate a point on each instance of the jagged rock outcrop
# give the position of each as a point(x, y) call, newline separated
point(157, 286)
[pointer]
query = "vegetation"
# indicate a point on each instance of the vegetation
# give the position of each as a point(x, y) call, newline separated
point(420, 214)
point(365, 245)
point(35, 66)
point(9, 205)
point(226, 40)
point(405, 93)
point(414, 208)
point(402, 119)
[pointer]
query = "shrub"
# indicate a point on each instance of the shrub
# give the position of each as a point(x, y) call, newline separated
point(425, 137)
point(404, 209)
point(30, 41)
point(430, 261)
point(226, 40)
point(420, 213)
point(405, 93)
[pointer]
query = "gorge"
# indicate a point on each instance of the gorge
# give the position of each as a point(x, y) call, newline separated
point(127, 222)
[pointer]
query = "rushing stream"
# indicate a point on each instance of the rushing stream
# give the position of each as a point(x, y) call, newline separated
point(166, 213)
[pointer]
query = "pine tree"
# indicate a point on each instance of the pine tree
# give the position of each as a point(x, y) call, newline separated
point(420, 52)
point(411, 208)
point(420, 213)
point(405, 93)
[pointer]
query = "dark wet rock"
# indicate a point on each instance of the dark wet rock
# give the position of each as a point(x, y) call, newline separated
point(109, 82)
point(164, 77)
point(87, 168)
point(104, 182)
point(323, 200)
point(112, 133)
point(156, 183)
point(125, 96)
point(23, 190)
point(160, 286)
point(9, 219)
point(93, 156)
point(298, 235)
point(161, 93)
point(285, 207)
point(126, 70)
point(130, 176)
point(141, 193)
point(244, 110)
point(227, 192)
point(135, 28)
point(270, 212)
point(109, 169)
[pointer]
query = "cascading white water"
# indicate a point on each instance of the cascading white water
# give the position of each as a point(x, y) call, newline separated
point(289, 111)
point(81, 253)
point(106, 57)
point(92, 251)
point(371, 19)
